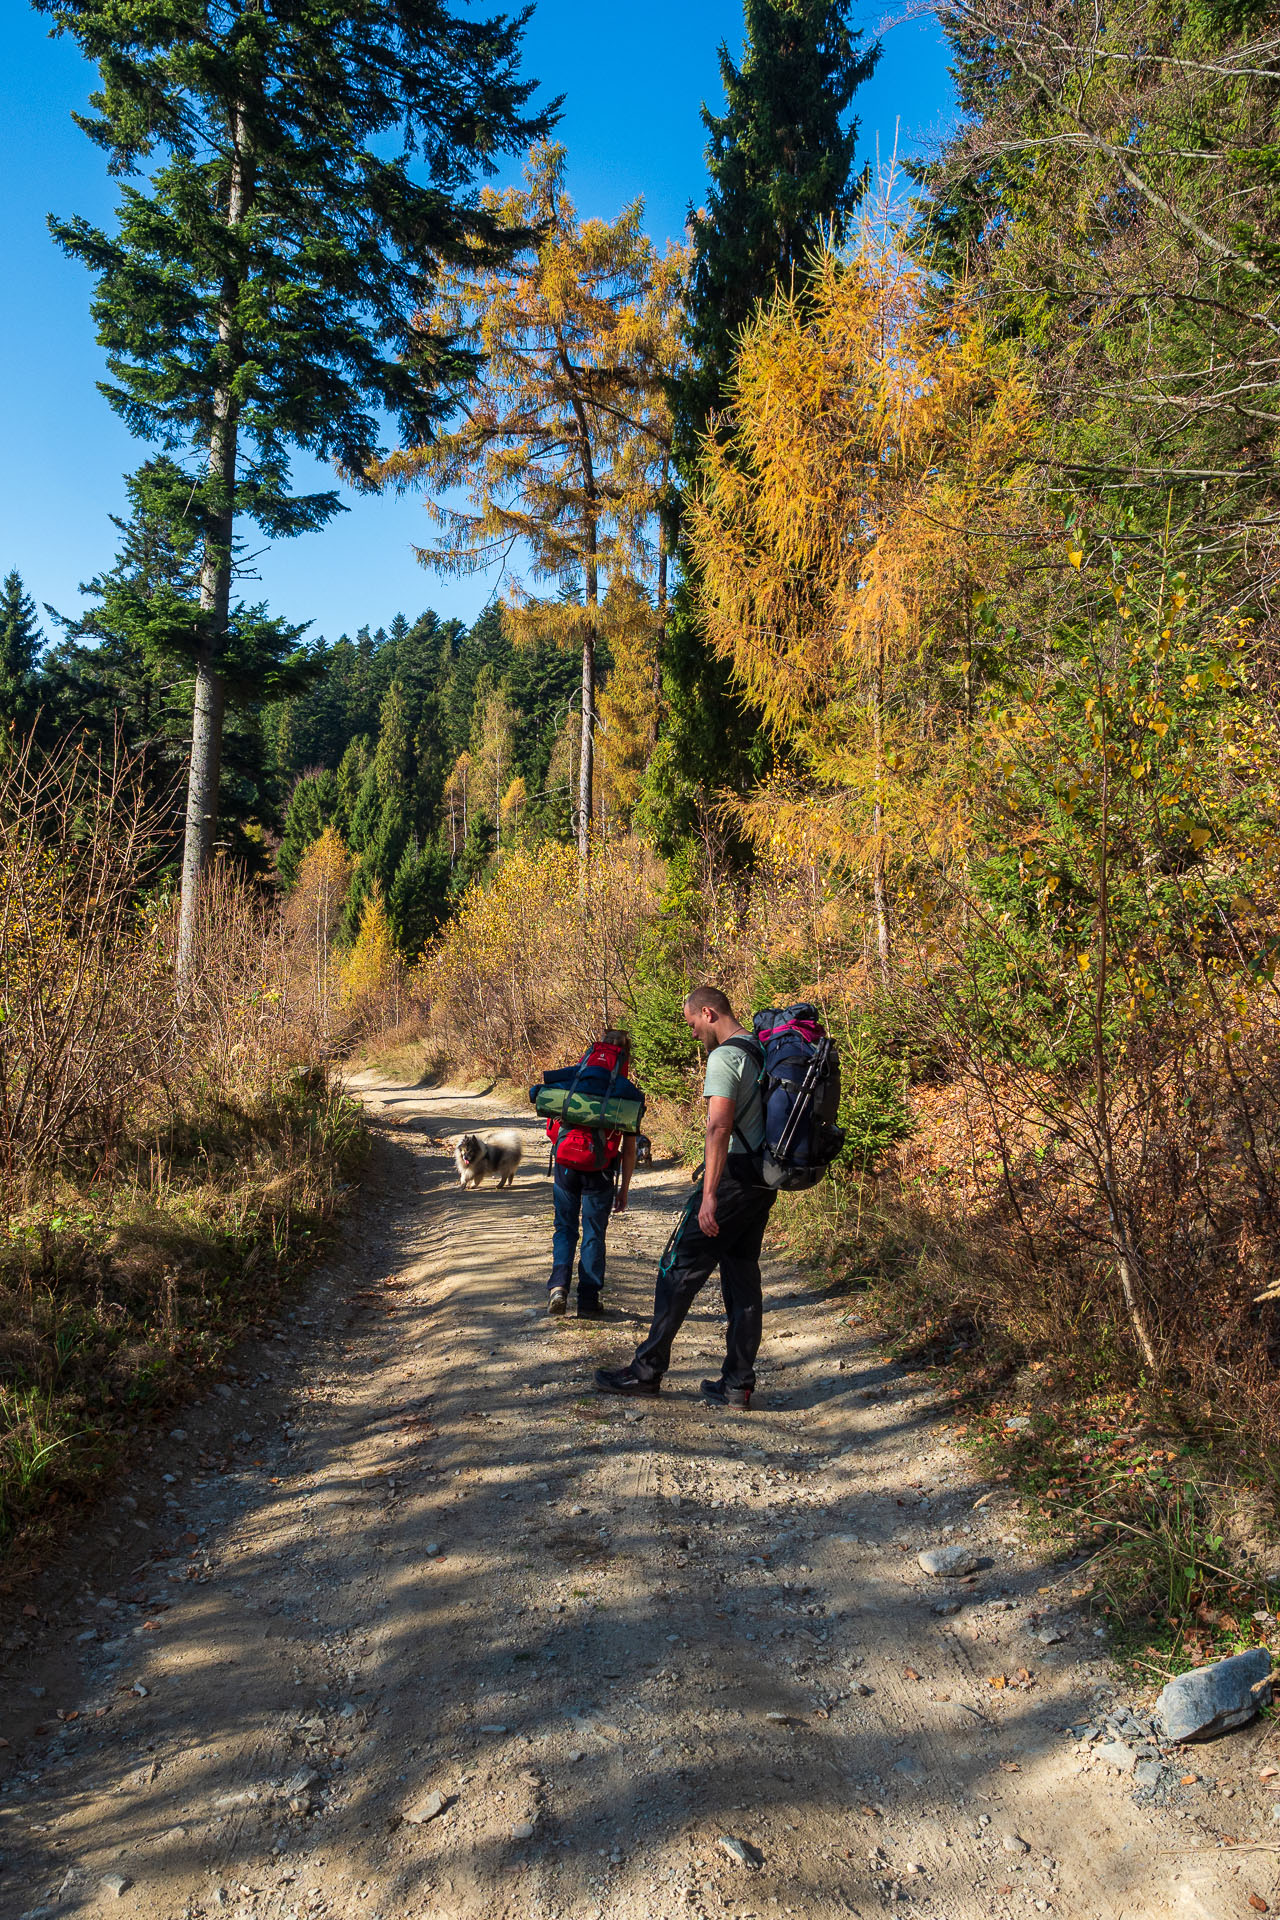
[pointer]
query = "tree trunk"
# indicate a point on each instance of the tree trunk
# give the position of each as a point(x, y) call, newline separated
point(1128, 1265)
point(587, 759)
point(663, 558)
point(215, 579)
point(879, 885)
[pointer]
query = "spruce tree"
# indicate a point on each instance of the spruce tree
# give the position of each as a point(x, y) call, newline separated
point(299, 175)
point(127, 668)
point(781, 165)
point(20, 644)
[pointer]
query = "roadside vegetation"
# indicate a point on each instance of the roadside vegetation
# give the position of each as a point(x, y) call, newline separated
point(898, 632)
point(167, 1162)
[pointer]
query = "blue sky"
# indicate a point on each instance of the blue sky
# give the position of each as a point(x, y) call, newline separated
point(634, 78)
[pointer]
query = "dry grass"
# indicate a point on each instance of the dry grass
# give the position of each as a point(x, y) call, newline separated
point(169, 1162)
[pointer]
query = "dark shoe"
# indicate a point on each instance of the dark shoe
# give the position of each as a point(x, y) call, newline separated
point(723, 1396)
point(558, 1301)
point(589, 1305)
point(623, 1380)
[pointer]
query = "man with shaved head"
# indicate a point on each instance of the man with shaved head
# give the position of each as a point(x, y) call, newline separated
point(724, 1221)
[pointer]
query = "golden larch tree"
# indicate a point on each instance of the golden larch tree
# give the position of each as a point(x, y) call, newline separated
point(868, 469)
point(559, 442)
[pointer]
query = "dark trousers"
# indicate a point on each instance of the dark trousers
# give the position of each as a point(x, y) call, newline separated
point(580, 1195)
point(742, 1211)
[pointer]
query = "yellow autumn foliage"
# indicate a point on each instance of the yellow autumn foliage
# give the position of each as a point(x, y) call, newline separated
point(372, 970)
point(534, 961)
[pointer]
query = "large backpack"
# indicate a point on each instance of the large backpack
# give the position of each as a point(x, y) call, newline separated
point(800, 1094)
point(588, 1108)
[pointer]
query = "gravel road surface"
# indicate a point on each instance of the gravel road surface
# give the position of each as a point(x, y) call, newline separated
point(404, 1620)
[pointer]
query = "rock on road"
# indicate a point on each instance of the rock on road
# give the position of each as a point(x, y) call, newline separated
point(404, 1620)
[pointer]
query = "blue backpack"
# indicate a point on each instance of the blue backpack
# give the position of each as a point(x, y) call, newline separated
point(800, 1092)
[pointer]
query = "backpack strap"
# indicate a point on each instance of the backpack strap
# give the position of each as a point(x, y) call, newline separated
point(747, 1043)
point(599, 1135)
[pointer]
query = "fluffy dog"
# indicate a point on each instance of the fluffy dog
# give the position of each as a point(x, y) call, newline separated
point(644, 1150)
point(497, 1157)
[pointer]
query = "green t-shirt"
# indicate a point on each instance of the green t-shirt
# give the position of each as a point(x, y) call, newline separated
point(733, 1074)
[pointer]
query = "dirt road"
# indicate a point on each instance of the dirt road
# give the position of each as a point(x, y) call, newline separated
point(404, 1551)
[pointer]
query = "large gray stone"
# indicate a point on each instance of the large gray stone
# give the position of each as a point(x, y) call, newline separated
point(946, 1563)
point(1195, 1706)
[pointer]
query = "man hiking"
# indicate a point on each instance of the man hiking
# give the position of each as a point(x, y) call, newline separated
point(724, 1221)
point(593, 1172)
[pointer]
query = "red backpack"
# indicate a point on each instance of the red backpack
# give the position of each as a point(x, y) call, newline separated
point(585, 1148)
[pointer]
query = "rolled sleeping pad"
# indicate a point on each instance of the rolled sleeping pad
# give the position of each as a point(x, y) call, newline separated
point(589, 1110)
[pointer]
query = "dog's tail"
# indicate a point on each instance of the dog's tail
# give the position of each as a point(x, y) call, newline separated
point(507, 1141)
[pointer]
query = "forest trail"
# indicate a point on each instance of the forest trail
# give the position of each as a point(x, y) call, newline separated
point(408, 1551)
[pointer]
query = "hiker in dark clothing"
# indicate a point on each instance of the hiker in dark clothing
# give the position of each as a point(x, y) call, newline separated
point(592, 1180)
point(724, 1221)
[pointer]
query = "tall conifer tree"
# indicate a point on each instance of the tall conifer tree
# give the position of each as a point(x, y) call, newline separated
point(781, 164)
point(304, 170)
point(20, 643)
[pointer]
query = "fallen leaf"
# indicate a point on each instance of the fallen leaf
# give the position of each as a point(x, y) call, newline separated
point(1258, 1904)
point(997, 1680)
point(1269, 1773)
point(1188, 1779)
point(30, 1613)
point(909, 1673)
point(1010, 1766)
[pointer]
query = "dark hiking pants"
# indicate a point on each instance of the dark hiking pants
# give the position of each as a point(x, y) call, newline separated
point(692, 1256)
point(580, 1194)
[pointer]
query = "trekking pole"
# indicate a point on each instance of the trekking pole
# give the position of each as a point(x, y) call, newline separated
point(804, 1099)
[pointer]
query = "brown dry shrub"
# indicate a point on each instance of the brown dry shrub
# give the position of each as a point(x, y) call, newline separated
point(168, 1159)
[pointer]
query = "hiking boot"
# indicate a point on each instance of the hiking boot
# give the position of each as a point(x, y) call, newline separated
point(558, 1301)
point(722, 1396)
point(624, 1380)
point(589, 1304)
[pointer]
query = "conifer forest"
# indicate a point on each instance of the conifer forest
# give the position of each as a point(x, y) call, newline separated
point(879, 607)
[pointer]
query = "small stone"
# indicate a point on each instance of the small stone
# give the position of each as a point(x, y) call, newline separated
point(1118, 1755)
point(139, 1689)
point(945, 1608)
point(432, 1549)
point(426, 1809)
point(491, 1729)
point(862, 1689)
point(1148, 1773)
point(1213, 1699)
point(948, 1562)
point(1014, 1843)
point(575, 1754)
point(523, 1830)
point(911, 1769)
point(115, 1884)
point(301, 1782)
point(739, 1852)
point(179, 1433)
point(1017, 1423)
point(223, 1391)
point(1052, 1636)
